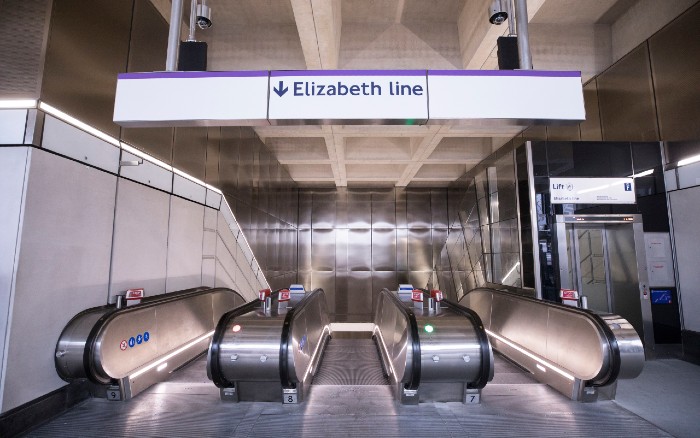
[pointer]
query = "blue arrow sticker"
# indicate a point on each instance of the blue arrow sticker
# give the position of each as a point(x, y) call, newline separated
point(139, 339)
point(281, 90)
point(146, 336)
point(132, 342)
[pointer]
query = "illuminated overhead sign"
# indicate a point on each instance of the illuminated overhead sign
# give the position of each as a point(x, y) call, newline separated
point(239, 98)
point(592, 190)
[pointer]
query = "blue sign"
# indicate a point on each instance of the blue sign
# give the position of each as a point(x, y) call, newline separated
point(628, 187)
point(139, 339)
point(132, 342)
point(146, 336)
point(302, 343)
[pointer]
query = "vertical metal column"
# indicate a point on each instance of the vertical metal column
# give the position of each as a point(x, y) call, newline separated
point(523, 35)
point(174, 36)
point(533, 220)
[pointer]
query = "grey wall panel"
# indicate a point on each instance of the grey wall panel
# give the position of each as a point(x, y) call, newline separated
point(384, 279)
point(626, 99)
point(12, 126)
point(359, 250)
point(211, 167)
point(65, 249)
point(209, 271)
point(685, 205)
point(401, 218)
point(401, 249)
point(420, 250)
point(185, 245)
point(322, 250)
point(304, 209)
point(383, 250)
point(84, 57)
point(439, 238)
point(229, 163)
point(13, 165)
point(383, 214)
point(323, 210)
point(359, 294)
point(326, 281)
point(675, 60)
point(419, 278)
point(140, 240)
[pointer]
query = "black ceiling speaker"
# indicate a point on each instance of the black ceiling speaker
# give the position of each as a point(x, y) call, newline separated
point(193, 56)
point(508, 53)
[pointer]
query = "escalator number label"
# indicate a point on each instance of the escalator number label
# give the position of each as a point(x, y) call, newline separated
point(139, 339)
point(146, 336)
point(122, 345)
point(290, 398)
point(132, 342)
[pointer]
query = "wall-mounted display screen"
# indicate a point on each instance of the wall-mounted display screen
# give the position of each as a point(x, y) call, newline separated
point(661, 296)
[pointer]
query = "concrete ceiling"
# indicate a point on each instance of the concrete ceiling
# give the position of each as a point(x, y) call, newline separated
point(397, 34)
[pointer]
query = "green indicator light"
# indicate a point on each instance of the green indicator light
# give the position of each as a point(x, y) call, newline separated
point(428, 328)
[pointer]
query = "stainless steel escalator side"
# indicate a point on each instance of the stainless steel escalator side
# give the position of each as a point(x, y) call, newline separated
point(270, 354)
point(124, 351)
point(578, 352)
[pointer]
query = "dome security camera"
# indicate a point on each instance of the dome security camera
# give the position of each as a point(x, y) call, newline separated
point(497, 13)
point(204, 16)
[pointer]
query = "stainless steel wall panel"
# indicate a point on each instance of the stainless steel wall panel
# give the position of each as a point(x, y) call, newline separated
point(401, 249)
point(401, 218)
point(147, 51)
point(359, 250)
point(420, 250)
point(418, 214)
point(185, 245)
point(438, 209)
point(64, 251)
point(626, 98)
point(190, 151)
point(590, 128)
point(140, 240)
point(383, 214)
point(439, 238)
point(419, 278)
point(304, 210)
point(675, 62)
point(82, 61)
point(359, 293)
point(326, 281)
point(359, 211)
point(383, 250)
point(304, 250)
point(322, 250)
point(341, 249)
point(323, 210)
point(229, 163)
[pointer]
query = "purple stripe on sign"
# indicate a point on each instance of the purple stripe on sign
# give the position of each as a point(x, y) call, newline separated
point(281, 73)
point(531, 73)
point(194, 74)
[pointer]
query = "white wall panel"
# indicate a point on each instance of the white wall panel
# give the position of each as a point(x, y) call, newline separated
point(72, 142)
point(147, 173)
point(13, 167)
point(213, 199)
point(685, 207)
point(189, 189)
point(63, 262)
point(209, 271)
point(140, 239)
point(12, 125)
point(185, 236)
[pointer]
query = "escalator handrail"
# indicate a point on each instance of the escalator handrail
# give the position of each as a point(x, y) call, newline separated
point(615, 362)
point(285, 378)
point(483, 338)
point(104, 320)
point(414, 380)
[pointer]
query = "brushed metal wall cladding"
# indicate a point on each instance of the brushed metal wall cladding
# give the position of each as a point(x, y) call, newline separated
point(626, 98)
point(675, 61)
point(22, 42)
point(84, 57)
point(590, 128)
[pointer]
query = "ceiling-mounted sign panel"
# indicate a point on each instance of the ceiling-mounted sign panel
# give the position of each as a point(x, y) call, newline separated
point(387, 96)
point(592, 190)
point(191, 98)
point(526, 96)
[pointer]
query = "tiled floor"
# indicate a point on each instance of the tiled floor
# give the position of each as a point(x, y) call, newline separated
point(513, 405)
